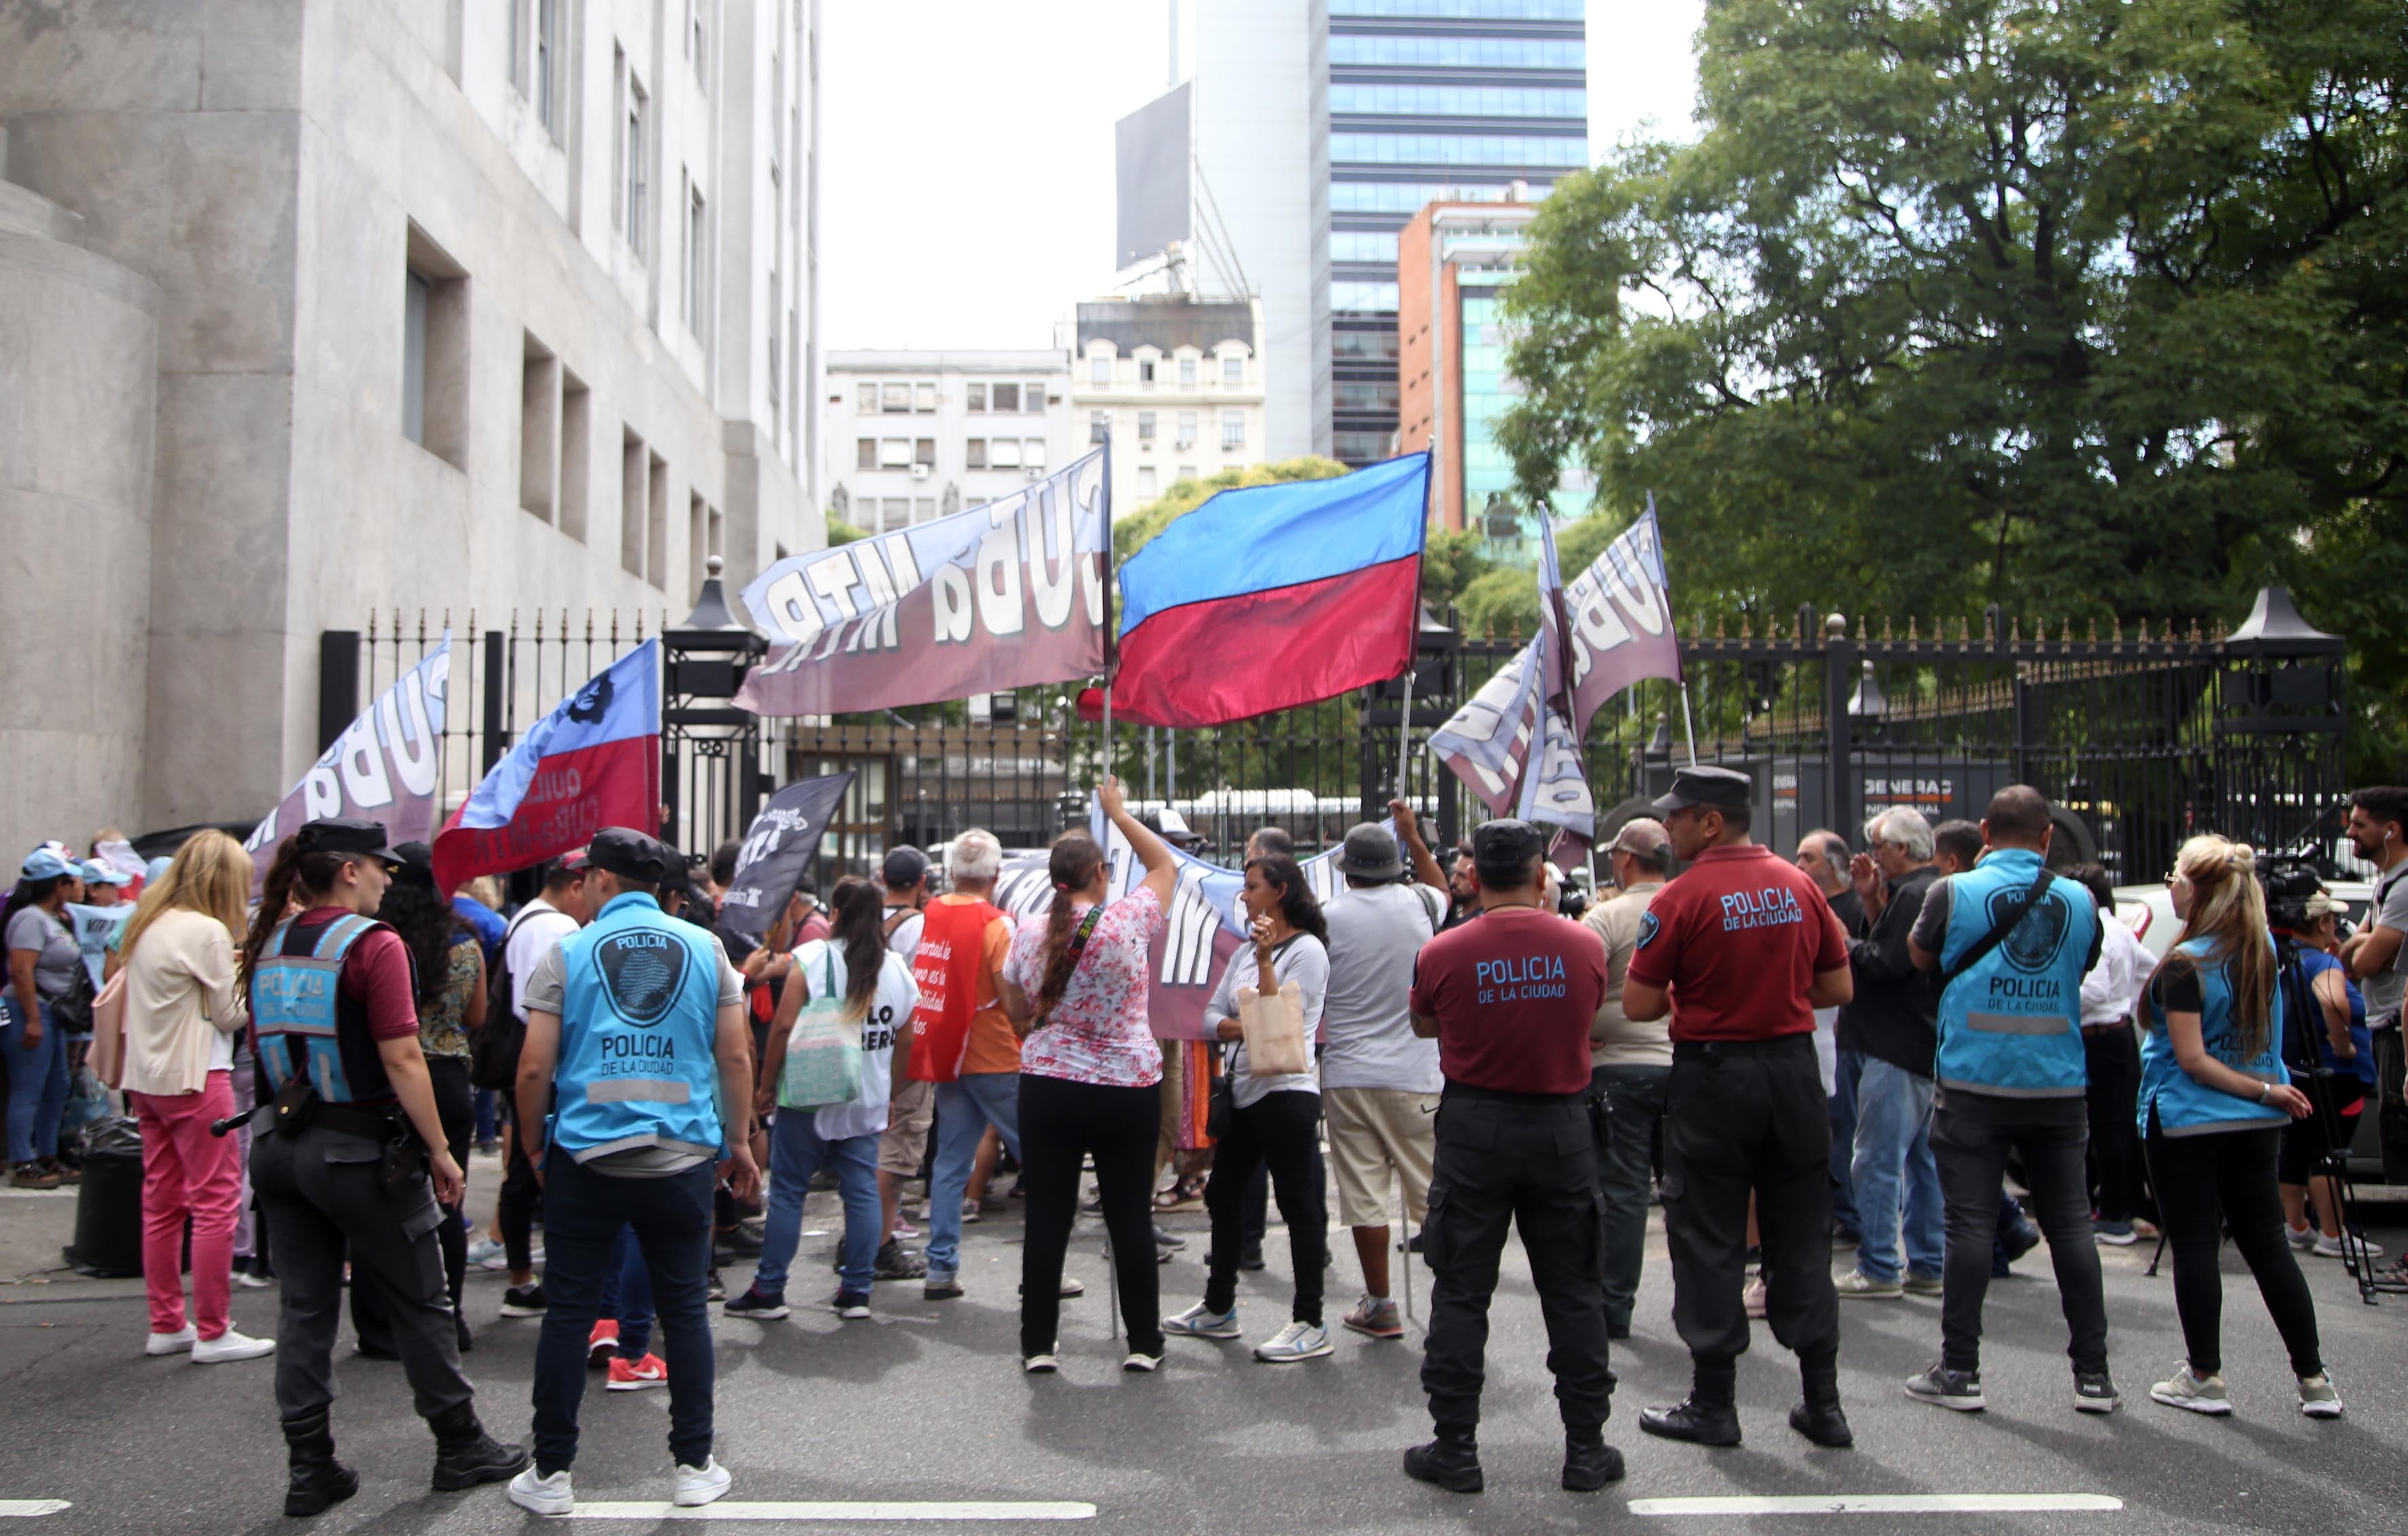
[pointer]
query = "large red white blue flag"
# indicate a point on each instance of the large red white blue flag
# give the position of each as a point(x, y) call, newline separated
point(593, 762)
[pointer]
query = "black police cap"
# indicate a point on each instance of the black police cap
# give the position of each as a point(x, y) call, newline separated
point(1508, 841)
point(346, 837)
point(1720, 787)
point(623, 851)
point(416, 861)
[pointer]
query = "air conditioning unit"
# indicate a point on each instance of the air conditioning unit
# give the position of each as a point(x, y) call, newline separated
point(1036, 471)
point(919, 472)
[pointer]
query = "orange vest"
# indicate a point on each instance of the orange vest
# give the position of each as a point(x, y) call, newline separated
point(952, 936)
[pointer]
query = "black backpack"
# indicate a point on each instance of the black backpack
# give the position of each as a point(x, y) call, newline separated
point(493, 1050)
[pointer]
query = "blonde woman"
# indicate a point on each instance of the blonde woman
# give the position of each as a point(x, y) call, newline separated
point(183, 1012)
point(2214, 1097)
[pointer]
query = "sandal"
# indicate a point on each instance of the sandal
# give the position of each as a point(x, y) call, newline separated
point(1185, 1195)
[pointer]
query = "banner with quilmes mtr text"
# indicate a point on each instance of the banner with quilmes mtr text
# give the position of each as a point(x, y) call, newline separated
point(383, 767)
point(1005, 596)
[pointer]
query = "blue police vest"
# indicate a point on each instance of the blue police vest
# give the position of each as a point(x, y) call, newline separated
point(2184, 1104)
point(299, 1011)
point(2012, 1025)
point(637, 1028)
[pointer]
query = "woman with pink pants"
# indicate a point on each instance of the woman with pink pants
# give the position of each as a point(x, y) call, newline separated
point(183, 1017)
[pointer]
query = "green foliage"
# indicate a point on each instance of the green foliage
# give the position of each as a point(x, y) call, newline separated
point(841, 532)
point(2089, 308)
point(1133, 532)
point(1451, 562)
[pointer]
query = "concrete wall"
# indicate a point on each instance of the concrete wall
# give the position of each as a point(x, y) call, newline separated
point(75, 525)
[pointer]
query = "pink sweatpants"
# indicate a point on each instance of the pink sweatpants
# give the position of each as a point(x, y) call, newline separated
point(188, 1173)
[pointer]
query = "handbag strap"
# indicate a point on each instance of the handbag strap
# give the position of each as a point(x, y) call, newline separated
point(1079, 936)
point(1999, 931)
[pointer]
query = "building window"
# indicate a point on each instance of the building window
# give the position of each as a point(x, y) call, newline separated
point(1099, 371)
point(974, 453)
point(895, 454)
point(976, 396)
point(1032, 399)
point(695, 40)
point(894, 513)
point(776, 355)
point(1007, 398)
point(924, 509)
point(1145, 427)
point(924, 397)
point(1099, 426)
point(697, 265)
point(539, 426)
point(1187, 429)
point(1360, 447)
point(1186, 471)
point(1233, 431)
point(1003, 453)
point(896, 399)
point(435, 352)
point(416, 294)
point(576, 453)
point(1145, 373)
point(638, 184)
point(865, 400)
point(1032, 454)
point(547, 49)
point(924, 451)
point(1187, 373)
point(864, 452)
point(1145, 481)
point(1233, 367)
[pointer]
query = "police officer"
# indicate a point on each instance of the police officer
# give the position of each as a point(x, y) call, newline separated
point(1741, 950)
point(347, 1168)
point(637, 1021)
point(2011, 944)
point(1509, 999)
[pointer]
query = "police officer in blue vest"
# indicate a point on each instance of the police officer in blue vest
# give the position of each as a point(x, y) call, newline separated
point(357, 1161)
point(634, 1092)
point(2012, 943)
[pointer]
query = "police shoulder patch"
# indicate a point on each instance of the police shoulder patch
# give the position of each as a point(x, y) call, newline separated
point(643, 970)
point(1648, 925)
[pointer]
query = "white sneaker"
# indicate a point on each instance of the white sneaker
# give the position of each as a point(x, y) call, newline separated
point(1041, 1365)
point(250, 1281)
point(1202, 1321)
point(2302, 1238)
point(177, 1342)
point(2327, 1246)
point(230, 1345)
point(486, 1253)
point(1293, 1342)
point(2318, 1398)
point(543, 1495)
point(700, 1485)
point(2199, 1394)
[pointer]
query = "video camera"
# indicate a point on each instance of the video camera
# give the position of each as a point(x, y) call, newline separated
point(2289, 881)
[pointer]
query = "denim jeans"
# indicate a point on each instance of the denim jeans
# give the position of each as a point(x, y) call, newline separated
point(965, 1108)
point(1844, 1137)
point(627, 1296)
point(1971, 1135)
point(1893, 1149)
point(1624, 1171)
point(583, 1214)
point(796, 1151)
point(37, 1084)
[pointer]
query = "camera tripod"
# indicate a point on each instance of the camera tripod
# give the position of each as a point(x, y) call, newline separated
point(2309, 1071)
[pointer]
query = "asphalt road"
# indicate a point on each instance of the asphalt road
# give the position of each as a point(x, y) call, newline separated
point(927, 1404)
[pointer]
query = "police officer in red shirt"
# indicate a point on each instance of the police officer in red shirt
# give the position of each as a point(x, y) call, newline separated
point(1741, 950)
point(1509, 999)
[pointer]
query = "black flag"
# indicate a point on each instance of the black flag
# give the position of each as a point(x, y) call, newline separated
point(777, 849)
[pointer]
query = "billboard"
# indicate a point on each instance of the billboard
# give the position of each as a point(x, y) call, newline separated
point(1150, 163)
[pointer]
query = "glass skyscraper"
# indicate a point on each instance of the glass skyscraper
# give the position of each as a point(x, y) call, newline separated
point(1417, 101)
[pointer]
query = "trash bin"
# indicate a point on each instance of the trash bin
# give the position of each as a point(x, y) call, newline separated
point(109, 1204)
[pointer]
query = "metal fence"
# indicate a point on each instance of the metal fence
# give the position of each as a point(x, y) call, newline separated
point(2141, 736)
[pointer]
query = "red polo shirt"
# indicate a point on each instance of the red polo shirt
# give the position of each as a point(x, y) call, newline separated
point(1740, 937)
point(1514, 992)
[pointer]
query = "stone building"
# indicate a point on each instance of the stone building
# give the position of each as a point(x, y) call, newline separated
point(309, 307)
point(1175, 383)
point(918, 435)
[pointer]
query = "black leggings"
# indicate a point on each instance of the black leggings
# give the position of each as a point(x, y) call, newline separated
point(2205, 1184)
point(1279, 1131)
point(1060, 1123)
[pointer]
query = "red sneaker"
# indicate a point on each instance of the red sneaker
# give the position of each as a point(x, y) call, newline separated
point(626, 1376)
point(602, 1345)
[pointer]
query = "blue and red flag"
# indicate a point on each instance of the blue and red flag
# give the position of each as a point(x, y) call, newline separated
point(1272, 596)
point(593, 762)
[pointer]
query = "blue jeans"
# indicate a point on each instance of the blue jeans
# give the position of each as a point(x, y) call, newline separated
point(1893, 1147)
point(583, 1214)
point(1843, 1135)
point(1625, 1173)
point(488, 1127)
point(796, 1151)
point(37, 1084)
point(627, 1296)
point(964, 1109)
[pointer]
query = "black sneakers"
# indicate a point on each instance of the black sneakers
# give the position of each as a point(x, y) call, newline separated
point(2094, 1392)
point(1943, 1387)
point(523, 1301)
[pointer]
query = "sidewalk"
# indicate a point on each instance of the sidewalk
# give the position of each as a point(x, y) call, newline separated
point(36, 1225)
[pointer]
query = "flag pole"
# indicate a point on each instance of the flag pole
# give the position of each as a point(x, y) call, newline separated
point(1112, 636)
point(1688, 728)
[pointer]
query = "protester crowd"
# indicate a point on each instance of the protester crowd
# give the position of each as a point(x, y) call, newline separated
point(1843, 1055)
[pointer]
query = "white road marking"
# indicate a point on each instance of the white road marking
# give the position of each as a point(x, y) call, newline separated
point(864, 1510)
point(1878, 1504)
point(25, 1509)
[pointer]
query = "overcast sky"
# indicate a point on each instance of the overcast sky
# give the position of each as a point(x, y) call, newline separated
point(967, 190)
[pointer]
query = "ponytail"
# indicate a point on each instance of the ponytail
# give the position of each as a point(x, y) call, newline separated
point(857, 927)
point(1075, 861)
point(291, 873)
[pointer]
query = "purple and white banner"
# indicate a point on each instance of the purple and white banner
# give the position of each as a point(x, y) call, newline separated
point(383, 767)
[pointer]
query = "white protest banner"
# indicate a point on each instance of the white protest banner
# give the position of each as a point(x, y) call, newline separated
point(383, 767)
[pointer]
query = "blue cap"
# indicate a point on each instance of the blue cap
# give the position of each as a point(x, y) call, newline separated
point(97, 873)
point(156, 869)
point(47, 863)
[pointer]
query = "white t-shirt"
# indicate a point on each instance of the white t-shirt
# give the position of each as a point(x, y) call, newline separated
point(538, 926)
point(905, 940)
point(1374, 933)
point(890, 1013)
point(2112, 989)
point(1302, 960)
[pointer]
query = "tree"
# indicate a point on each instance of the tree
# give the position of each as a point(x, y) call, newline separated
point(841, 532)
point(2089, 308)
point(1133, 532)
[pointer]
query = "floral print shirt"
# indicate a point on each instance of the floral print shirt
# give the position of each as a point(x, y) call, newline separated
point(1099, 1033)
point(440, 1029)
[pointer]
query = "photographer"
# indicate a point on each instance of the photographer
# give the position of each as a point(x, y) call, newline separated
point(2373, 956)
point(2331, 1041)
